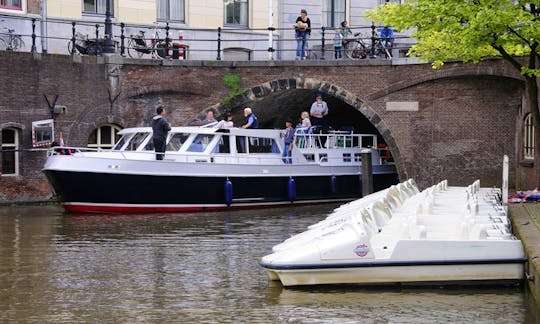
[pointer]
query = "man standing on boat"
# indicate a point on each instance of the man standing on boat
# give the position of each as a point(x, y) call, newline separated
point(160, 128)
point(288, 140)
point(252, 121)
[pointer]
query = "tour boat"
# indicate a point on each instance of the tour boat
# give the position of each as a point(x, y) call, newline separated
point(212, 168)
point(401, 235)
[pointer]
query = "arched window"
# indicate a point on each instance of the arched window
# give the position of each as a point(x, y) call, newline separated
point(104, 137)
point(10, 154)
point(528, 137)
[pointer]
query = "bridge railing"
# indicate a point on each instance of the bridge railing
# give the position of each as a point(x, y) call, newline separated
point(161, 40)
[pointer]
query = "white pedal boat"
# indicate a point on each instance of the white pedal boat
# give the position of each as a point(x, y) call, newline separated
point(399, 235)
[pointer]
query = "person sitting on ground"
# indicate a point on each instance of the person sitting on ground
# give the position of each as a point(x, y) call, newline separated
point(251, 121)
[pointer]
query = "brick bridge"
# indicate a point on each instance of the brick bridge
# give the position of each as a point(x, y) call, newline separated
point(455, 123)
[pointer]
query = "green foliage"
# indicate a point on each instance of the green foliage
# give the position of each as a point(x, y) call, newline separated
point(468, 30)
point(233, 82)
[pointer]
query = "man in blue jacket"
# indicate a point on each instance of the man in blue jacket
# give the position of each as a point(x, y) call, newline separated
point(160, 128)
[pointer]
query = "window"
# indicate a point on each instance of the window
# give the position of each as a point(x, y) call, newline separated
point(136, 141)
point(236, 12)
point(528, 137)
point(10, 156)
point(104, 137)
point(200, 143)
point(97, 6)
point(170, 10)
point(175, 142)
point(11, 4)
point(334, 12)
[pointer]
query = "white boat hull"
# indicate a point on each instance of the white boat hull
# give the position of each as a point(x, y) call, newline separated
point(400, 274)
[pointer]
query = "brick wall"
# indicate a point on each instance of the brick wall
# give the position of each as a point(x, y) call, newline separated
point(466, 118)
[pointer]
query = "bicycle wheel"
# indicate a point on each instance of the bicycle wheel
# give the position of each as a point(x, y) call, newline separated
point(355, 50)
point(161, 50)
point(135, 50)
point(3, 44)
point(17, 43)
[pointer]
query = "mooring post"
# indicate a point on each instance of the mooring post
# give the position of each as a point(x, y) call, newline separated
point(504, 198)
point(367, 173)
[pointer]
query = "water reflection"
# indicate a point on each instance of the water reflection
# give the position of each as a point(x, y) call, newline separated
point(198, 268)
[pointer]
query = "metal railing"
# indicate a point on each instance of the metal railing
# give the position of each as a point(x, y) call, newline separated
point(164, 41)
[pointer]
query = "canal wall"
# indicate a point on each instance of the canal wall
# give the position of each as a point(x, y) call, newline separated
point(525, 219)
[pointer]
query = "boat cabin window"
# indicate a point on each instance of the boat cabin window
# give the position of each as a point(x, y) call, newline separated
point(200, 143)
point(176, 141)
point(136, 141)
point(223, 145)
point(256, 145)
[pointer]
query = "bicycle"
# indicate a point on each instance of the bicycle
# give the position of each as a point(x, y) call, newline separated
point(85, 45)
point(11, 42)
point(137, 46)
point(356, 48)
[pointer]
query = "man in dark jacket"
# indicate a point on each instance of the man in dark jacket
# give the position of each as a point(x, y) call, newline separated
point(160, 128)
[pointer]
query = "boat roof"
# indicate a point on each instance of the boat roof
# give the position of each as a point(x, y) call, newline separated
point(204, 130)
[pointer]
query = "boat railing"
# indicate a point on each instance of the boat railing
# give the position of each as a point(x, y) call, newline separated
point(333, 140)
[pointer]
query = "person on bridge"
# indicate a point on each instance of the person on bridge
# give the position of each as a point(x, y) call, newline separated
point(302, 31)
point(251, 121)
point(160, 128)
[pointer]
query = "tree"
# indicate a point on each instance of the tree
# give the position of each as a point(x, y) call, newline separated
point(471, 30)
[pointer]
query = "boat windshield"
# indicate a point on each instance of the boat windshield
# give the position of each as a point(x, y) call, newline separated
point(122, 141)
point(136, 141)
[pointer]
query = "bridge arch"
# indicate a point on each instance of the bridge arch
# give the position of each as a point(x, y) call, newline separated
point(304, 90)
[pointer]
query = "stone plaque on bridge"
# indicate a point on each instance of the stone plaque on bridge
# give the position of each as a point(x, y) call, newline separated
point(402, 106)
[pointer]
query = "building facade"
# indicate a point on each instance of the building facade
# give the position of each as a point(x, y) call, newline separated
point(244, 24)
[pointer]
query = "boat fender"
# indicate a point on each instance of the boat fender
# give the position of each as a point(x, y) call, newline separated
point(333, 187)
point(228, 188)
point(291, 189)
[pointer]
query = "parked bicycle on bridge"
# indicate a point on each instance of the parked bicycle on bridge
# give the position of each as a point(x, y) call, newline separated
point(156, 47)
point(10, 41)
point(85, 45)
point(361, 47)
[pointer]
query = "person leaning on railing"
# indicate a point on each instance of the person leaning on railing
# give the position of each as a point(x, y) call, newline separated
point(302, 31)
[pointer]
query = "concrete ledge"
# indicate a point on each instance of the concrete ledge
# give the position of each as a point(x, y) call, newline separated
point(526, 225)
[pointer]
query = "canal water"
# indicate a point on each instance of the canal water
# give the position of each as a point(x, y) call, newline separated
point(202, 268)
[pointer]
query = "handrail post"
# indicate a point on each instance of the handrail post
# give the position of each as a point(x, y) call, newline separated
point(96, 45)
point(108, 44)
point(33, 50)
point(73, 38)
point(322, 42)
point(218, 44)
point(372, 54)
point(167, 39)
point(122, 39)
